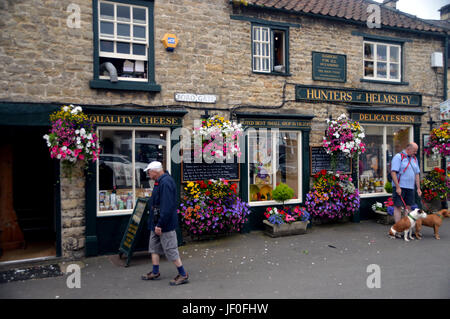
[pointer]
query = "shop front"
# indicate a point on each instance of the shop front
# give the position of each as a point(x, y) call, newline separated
point(129, 140)
point(276, 151)
point(388, 131)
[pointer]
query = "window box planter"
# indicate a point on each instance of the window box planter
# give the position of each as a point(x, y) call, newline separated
point(296, 228)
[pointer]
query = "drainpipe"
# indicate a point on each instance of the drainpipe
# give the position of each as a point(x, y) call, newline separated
point(108, 66)
point(445, 66)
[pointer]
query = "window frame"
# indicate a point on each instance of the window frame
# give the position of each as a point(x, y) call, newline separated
point(375, 61)
point(274, 137)
point(124, 83)
point(133, 129)
point(384, 149)
point(272, 29)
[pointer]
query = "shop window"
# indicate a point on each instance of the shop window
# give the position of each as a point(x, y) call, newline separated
point(273, 158)
point(121, 176)
point(382, 61)
point(269, 50)
point(382, 143)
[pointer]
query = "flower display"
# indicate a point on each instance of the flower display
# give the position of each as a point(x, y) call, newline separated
point(439, 142)
point(344, 136)
point(220, 137)
point(435, 185)
point(387, 206)
point(286, 215)
point(72, 136)
point(332, 196)
point(212, 207)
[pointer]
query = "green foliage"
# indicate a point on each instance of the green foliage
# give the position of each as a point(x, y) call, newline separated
point(388, 187)
point(282, 193)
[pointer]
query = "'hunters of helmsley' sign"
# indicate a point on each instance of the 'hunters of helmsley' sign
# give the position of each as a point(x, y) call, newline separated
point(343, 95)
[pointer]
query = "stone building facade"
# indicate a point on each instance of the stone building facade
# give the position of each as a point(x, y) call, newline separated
point(47, 60)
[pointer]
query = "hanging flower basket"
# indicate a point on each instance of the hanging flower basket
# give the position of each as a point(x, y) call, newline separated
point(72, 137)
point(439, 142)
point(343, 136)
point(219, 137)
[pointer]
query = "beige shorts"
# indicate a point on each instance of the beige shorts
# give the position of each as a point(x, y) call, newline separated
point(166, 244)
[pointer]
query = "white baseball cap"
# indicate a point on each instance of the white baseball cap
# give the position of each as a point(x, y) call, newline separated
point(155, 165)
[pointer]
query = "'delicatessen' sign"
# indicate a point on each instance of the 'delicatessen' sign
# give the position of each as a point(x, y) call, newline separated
point(324, 94)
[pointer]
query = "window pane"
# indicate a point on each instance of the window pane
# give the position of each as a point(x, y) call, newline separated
point(381, 52)
point(139, 32)
point(123, 30)
point(107, 28)
point(397, 138)
point(106, 46)
point(394, 71)
point(149, 146)
point(368, 69)
point(115, 171)
point(123, 13)
point(368, 51)
point(256, 34)
point(371, 162)
point(139, 49)
point(287, 170)
point(139, 15)
point(278, 48)
point(394, 54)
point(106, 11)
point(382, 70)
point(260, 162)
point(123, 48)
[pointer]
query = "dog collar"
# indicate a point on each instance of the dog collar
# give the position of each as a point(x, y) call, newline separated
point(439, 215)
point(409, 215)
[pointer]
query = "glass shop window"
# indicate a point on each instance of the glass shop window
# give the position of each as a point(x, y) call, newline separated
point(121, 177)
point(273, 158)
point(382, 143)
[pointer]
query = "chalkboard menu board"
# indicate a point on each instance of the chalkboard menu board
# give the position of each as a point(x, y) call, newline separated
point(202, 171)
point(319, 160)
point(137, 219)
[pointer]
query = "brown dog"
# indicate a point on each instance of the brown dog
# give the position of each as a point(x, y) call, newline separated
point(432, 220)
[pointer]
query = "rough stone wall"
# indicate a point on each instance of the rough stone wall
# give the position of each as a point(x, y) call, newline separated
point(43, 60)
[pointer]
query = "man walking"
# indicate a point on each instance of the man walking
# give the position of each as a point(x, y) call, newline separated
point(405, 173)
point(163, 221)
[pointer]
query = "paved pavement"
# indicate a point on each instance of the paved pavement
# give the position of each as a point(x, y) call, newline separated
point(330, 261)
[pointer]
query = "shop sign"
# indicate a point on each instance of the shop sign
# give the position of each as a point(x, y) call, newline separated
point(324, 94)
point(195, 98)
point(270, 123)
point(385, 118)
point(329, 67)
point(141, 120)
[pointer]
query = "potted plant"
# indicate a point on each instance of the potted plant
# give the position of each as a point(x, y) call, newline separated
point(385, 211)
point(435, 189)
point(333, 197)
point(212, 207)
point(285, 221)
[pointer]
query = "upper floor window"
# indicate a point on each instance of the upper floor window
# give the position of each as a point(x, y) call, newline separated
point(269, 49)
point(123, 45)
point(382, 61)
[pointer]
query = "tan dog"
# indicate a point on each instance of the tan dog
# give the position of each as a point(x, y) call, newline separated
point(432, 220)
point(407, 223)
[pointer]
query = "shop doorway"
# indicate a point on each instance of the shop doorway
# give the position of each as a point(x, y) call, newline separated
point(29, 194)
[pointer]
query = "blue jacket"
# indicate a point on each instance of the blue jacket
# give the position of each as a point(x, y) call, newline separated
point(164, 195)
